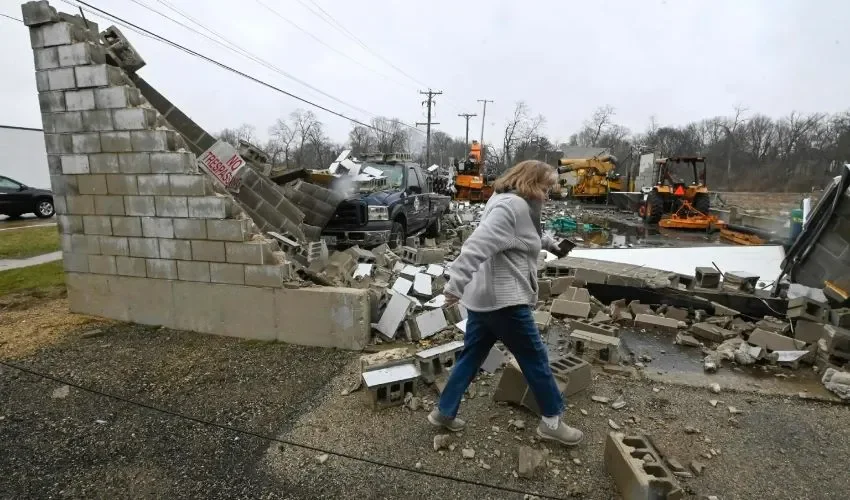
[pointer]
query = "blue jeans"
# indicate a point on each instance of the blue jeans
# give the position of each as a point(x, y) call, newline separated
point(515, 327)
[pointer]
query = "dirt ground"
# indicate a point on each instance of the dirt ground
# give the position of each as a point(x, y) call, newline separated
point(234, 411)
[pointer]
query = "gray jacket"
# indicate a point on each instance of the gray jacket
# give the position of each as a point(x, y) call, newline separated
point(497, 266)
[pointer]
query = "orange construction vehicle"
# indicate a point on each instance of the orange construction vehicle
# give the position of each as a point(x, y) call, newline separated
point(470, 183)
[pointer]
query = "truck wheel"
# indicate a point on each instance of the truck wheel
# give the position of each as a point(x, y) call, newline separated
point(435, 228)
point(44, 209)
point(654, 208)
point(396, 235)
point(702, 203)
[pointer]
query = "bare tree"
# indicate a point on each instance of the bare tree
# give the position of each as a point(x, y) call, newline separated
point(303, 123)
point(283, 135)
point(244, 132)
point(390, 134)
point(361, 140)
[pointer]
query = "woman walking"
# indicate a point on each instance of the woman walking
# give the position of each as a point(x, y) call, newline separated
point(495, 278)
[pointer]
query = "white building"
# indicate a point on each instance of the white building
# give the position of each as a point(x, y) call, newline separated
point(23, 157)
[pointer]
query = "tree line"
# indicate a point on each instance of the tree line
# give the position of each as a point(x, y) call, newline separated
point(746, 151)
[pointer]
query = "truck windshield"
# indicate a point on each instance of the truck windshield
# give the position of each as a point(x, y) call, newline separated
point(394, 174)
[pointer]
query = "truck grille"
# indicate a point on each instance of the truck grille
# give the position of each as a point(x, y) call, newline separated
point(349, 213)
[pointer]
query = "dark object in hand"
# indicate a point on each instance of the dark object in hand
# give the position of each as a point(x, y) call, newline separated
point(565, 246)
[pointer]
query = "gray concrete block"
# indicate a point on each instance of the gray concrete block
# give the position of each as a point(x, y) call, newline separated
point(99, 75)
point(51, 102)
point(139, 205)
point(154, 184)
point(126, 226)
point(130, 266)
point(155, 227)
point(85, 143)
point(80, 205)
point(36, 13)
point(75, 164)
point(97, 120)
point(144, 247)
point(52, 34)
point(808, 331)
point(69, 224)
point(210, 251)
point(134, 163)
point(152, 140)
point(190, 185)
point(55, 144)
point(228, 229)
point(227, 273)
point(102, 264)
point(195, 229)
point(268, 275)
point(42, 84)
point(175, 249)
point(115, 142)
point(79, 100)
point(104, 163)
point(161, 268)
point(54, 167)
point(122, 184)
point(323, 331)
point(193, 271)
point(47, 58)
point(61, 79)
point(109, 205)
point(171, 206)
point(59, 204)
point(256, 253)
point(114, 245)
point(80, 53)
point(85, 244)
point(91, 184)
point(64, 123)
point(173, 163)
point(112, 97)
point(570, 308)
point(75, 262)
point(133, 118)
point(652, 321)
point(64, 185)
point(209, 207)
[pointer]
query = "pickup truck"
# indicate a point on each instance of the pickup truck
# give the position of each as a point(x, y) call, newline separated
point(403, 207)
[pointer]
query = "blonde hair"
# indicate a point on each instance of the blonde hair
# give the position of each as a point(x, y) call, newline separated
point(529, 179)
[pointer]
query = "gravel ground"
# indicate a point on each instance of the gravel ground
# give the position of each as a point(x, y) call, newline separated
point(81, 444)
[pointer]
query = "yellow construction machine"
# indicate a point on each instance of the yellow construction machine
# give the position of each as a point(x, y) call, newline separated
point(686, 201)
point(588, 178)
point(470, 183)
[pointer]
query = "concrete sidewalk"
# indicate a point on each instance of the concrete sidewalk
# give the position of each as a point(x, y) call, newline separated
point(6, 264)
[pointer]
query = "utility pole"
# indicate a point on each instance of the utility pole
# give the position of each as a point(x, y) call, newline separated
point(483, 117)
point(429, 102)
point(467, 116)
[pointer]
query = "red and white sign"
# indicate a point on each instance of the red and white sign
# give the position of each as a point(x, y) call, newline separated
point(222, 162)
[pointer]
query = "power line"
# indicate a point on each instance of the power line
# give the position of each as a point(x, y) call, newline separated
point(12, 18)
point(257, 435)
point(162, 39)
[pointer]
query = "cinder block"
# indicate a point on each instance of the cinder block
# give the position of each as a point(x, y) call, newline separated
point(569, 308)
point(837, 341)
point(122, 184)
point(638, 469)
point(75, 262)
point(190, 185)
point(115, 142)
point(155, 227)
point(544, 290)
point(58, 33)
point(572, 374)
point(79, 100)
point(210, 251)
point(590, 276)
point(134, 163)
point(806, 308)
point(61, 79)
point(109, 205)
point(112, 97)
point(75, 164)
point(195, 229)
point(345, 324)
point(144, 247)
point(42, 84)
point(774, 325)
point(227, 273)
point(605, 347)
point(130, 266)
point(840, 316)
point(126, 226)
point(171, 206)
point(637, 308)
point(711, 332)
point(425, 324)
point(193, 271)
point(91, 184)
point(59, 205)
point(99, 75)
point(139, 205)
point(70, 224)
point(707, 277)
point(114, 245)
point(542, 319)
point(38, 12)
point(161, 268)
point(657, 322)
point(154, 184)
point(85, 244)
point(774, 341)
point(85, 143)
point(96, 120)
point(80, 53)
point(80, 205)
point(152, 140)
point(437, 360)
point(559, 285)
point(228, 229)
point(676, 313)
point(808, 331)
point(104, 163)
point(175, 249)
point(173, 163)
point(102, 264)
point(54, 102)
point(58, 144)
point(594, 327)
point(210, 207)
point(267, 275)
point(388, 386)
point(133, 119)
point(47, 58)
point(255, 253)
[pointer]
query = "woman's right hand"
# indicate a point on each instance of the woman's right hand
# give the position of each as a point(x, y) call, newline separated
point(451, 299)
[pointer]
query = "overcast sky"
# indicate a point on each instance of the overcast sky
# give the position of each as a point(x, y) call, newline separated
point(677, 60)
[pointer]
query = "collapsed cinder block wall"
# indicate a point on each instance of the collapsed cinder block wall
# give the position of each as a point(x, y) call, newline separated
point(145, 237)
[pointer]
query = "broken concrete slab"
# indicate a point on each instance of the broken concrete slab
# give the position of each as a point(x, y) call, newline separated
point(676, 313)
point(542, 319)
point(425, 325)
point(422, 285)
point(494, 360)
point(711, 333)
point(544, 290)
point(656, 322)
point(402, 286)
point(569, 308)
point(559, 285)
point(385, 358)
point(637, 308)
point(721, 310)
point(529, 461)
point(838, 382)
point(575, 294)
point(601, 317)
point(774, 341)
point(808, 331)
point(837, 341)
point(395, 313)
point(772, 324)
point(686, 340)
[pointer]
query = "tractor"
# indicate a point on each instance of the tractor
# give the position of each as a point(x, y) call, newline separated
point(671, 194)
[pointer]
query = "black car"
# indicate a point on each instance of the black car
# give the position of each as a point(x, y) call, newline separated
point(17, 199)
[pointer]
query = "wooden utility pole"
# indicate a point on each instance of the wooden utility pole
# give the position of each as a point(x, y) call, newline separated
point(483, 117)
point(467, 116)
point(429, 102)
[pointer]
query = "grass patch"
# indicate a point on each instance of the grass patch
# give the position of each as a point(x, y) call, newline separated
point(42, 276)
point(22, 243)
